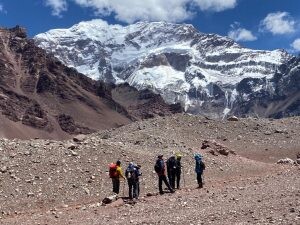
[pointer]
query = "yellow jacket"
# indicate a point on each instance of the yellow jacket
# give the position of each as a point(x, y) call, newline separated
point(120, 172)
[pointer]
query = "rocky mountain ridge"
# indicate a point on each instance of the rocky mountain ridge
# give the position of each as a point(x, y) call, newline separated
point(205, 73)
point(40, 97)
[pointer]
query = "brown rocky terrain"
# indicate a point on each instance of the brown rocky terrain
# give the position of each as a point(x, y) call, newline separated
point(63, 182)
point(40, 97)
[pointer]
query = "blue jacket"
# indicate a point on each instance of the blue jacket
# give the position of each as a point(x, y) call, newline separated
point(200, 166)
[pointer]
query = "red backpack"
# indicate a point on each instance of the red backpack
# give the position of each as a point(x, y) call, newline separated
point(113, 170)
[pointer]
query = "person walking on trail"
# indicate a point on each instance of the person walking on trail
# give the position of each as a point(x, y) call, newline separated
point(178, 170)
point(132, 175)
point(199, 168)
point(159, 168)
point(171, 170)
point(115, 173)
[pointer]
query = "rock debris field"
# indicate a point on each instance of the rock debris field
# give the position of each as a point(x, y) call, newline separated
point(64, 182)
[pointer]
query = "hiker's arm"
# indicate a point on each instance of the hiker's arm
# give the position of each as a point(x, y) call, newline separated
point(121, 173)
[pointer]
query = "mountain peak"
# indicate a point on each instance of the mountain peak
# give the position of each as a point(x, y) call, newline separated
point(176, 61)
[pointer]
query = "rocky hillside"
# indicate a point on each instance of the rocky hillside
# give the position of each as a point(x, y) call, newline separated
point(63, 182)
point(40, 97)
point(205, 73)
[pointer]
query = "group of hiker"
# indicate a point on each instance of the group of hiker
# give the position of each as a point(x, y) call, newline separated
point(169, 173)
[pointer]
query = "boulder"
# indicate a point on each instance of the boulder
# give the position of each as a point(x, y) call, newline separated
point(79, 138)
point(286, 161)
point(233, 118)
point(110, 199)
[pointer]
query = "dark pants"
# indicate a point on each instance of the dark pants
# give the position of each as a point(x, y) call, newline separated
point(171, 177)
point(177, 178)
point(163, 178)
point(199, 179)
point(137, 189)
point(133, 190)
point(116, 185)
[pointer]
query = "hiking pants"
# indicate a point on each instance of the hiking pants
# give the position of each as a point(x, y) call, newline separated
point(177, 178)
point(199, 179)
point(171, 177)
point(132, 186)
point(137, 189)
point(163, 178)
point(116, 185)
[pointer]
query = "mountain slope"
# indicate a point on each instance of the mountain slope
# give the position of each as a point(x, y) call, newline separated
point(40, 97)
point(205, 73)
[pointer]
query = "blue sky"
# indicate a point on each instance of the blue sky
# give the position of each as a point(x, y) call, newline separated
point(257, 24)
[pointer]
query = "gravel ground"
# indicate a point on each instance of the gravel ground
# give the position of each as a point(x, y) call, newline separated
point(63, 182)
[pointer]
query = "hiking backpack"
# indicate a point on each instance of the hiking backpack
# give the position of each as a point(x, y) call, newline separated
point(131, 172)
point(113, 170)
point(200, 166)
point(171, 163)
point(157, 167)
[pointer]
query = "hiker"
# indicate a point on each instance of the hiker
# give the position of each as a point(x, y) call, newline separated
point(178, 170)
point(132, 175)
point(160, 170)
point(199, 167)
point(171, 170)
point(115, 173)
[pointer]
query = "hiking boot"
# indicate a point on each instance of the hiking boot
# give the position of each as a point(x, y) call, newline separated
point(161, 192)
point(200, 186)
point(172, 191)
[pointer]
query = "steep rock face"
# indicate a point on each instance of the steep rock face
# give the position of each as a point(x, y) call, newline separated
point(36, 90)
point(205, 73)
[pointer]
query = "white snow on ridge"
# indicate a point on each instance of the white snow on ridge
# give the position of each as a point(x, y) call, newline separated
point(98, 49)
point(158, 78)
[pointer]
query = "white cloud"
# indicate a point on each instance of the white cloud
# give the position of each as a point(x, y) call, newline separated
point(278, 23)
point(58, 6)
point(241, 34)
point(216, 5)
point(154, 10)
point(296, 44)
point(132, 10)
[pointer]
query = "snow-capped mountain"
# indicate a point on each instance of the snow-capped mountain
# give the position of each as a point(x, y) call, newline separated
point(206, 73)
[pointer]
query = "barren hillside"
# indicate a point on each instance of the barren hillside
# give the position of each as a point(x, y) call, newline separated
point(63, 182)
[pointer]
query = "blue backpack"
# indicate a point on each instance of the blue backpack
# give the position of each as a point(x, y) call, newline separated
point(200, 166)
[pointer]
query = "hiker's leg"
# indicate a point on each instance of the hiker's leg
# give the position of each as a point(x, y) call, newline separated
point(201, 182)
point(134, 194)
point(114, 183)
point(160, 179)
point(169, 176)
point(164, 178)
point(117, 185)
point(137, 189)
point(198, 178)
point(173, 180)
point(178, 180)
point(130, 188)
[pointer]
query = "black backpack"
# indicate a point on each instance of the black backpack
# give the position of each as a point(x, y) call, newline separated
point(157, 167)
point(171, 163)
